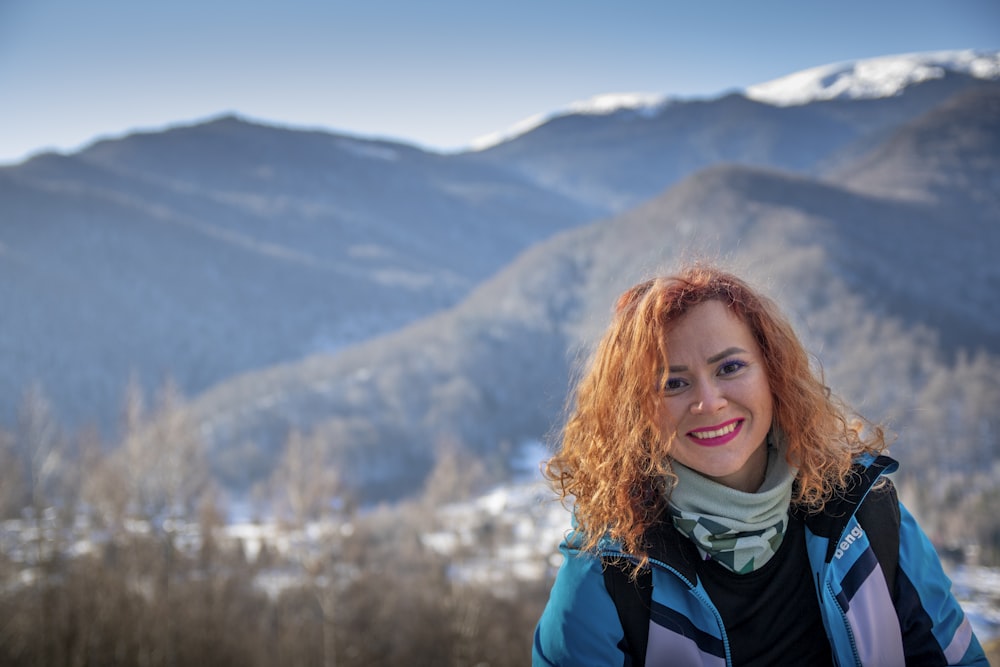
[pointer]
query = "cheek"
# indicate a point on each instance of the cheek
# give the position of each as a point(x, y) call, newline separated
point(769, 404)
point(668, 416)
point(757, 396)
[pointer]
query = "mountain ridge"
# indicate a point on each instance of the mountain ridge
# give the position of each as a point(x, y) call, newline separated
point(626, 159)
point(188, 267)
point(867, 78)
point(863, 78)
point(521, 334)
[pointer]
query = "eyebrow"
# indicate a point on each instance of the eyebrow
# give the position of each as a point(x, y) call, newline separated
point(712, 359)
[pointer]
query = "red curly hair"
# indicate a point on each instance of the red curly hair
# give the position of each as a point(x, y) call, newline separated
point(614, 459)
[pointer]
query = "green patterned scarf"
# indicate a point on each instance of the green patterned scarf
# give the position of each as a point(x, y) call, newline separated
point(737, 529)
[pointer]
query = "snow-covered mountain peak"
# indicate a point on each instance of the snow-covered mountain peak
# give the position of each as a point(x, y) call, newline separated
point(884, 76)
point(645, 104)
point(599, 105)
point(874, 77)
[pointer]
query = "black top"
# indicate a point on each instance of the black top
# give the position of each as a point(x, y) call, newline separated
point(772, 614)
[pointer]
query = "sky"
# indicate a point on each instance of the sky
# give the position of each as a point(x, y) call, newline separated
point(436, 73)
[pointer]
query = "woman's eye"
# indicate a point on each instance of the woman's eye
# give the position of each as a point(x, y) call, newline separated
point(731, 367)
point(673, 384)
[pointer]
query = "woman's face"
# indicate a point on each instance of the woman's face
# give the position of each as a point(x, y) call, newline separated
point(717, 400)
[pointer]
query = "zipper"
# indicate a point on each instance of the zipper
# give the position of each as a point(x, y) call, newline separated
point(847, 625)
point(829, 588)
point(697, 593)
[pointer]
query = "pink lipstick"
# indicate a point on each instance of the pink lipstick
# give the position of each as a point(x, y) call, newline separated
point(714, 436)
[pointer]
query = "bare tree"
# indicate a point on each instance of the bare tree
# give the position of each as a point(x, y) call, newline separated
point(306, 489)
point(455, 476)
point(40, 443)
point(305, 486)
point(13, 490)
point(166, 463)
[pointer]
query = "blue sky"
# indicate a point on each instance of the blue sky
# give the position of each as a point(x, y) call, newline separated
point(437, 73)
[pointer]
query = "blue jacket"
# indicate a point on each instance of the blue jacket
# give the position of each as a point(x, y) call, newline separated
point(866, 625)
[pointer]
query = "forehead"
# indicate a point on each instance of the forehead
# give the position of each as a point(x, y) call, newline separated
point(709, 328)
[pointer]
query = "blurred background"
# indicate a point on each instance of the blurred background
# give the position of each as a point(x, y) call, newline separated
point(291, 294)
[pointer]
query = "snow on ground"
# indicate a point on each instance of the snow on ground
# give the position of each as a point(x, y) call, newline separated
point(511, 532)
point(978, 589)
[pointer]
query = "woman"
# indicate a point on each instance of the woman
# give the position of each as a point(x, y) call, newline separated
point(727, 510)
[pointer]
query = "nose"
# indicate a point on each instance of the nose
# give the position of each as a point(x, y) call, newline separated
point(709, 399)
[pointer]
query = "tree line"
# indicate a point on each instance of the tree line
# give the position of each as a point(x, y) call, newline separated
point(118, 554)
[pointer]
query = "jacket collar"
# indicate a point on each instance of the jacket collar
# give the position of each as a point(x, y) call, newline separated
point(839, 510)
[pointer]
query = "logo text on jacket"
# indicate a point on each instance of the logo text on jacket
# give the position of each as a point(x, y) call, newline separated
point(848, 540)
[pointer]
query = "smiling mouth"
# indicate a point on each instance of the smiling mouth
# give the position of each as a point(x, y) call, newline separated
point(717, 436)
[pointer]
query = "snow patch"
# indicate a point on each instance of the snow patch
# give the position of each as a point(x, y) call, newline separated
point(645, 104)
point(515, 130)
point(873, 78)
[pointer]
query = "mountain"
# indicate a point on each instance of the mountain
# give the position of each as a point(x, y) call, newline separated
point(948, 157)
point(210, 250)
point(874, 78)
point(630, 152)
point(870, 78)
point(870, 281)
